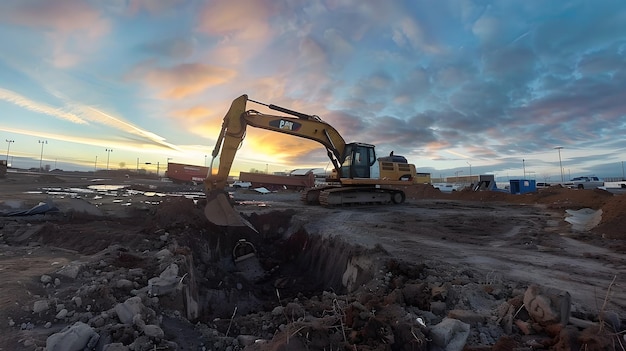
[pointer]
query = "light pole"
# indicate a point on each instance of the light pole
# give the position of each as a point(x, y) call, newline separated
point(205, 160)
point(560, 164)
point(524, 167)
point(95, 164)
point(623, 178)
point(470, 171)
point(108, 154)
point(42, 142)
point(457, 176)
point(8, 148)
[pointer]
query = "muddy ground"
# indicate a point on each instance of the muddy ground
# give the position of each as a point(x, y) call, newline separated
point(355, 278)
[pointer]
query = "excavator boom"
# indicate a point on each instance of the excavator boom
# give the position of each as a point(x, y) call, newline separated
point(364, 178)
point(219, 209)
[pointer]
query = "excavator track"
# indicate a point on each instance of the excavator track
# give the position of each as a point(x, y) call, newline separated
point(342, 196)
point(311, 196)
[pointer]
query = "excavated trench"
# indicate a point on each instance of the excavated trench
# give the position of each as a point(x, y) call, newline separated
point(286, 262)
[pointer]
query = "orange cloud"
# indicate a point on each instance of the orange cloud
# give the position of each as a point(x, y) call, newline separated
point(72, 26)
point(240, 20)
point(183, 80)
point(193, 114)
point(279, 148)
point(152, 6)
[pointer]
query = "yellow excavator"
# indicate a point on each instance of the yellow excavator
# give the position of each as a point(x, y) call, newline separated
point(358, 176)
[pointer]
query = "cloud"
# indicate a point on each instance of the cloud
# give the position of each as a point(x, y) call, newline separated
point(152, 6)
point(84, 115)
point(174, 47)
point(38, 107)
point(71, 27)
point(242, 21)
point(182, 80)
point(408, 32)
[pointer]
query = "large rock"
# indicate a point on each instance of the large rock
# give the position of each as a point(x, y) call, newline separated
point(126, 311)
point(71, 270)
point(75, 338)
point(547, 306)
point(450, 334)
point(167, 282)
point(40, 306)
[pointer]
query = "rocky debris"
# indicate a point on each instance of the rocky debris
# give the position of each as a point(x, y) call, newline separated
point(77, 337)
point(134, 295)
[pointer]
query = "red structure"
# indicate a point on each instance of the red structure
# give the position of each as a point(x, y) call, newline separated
point(179, 172)
point(273, 182)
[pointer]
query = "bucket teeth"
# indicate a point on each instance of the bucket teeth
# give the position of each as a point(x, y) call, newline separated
point(220, 211)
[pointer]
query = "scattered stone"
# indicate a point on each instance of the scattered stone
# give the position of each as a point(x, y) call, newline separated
point(124, 284)
point(116, 346)
point(547, 306)
point(450, 334)
point(126, 311)
point(167, 282)
point(45, 279)
point(62, 314)
point(75, 338)
point(71, 270)
point(40, 306)
point(278, 311)
point(153, 331)
point(78, 301)
point(466, 316)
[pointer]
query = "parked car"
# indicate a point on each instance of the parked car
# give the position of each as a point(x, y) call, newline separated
point(585, 183)
point(542, 185)
point(240, 184)
point(447, 188)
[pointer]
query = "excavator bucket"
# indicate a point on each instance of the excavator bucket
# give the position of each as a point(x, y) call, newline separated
point(220, 211)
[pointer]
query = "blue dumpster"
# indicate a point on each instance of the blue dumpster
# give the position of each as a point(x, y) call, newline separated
point(522, 186)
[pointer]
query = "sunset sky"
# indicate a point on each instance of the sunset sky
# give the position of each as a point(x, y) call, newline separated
point(493, 86)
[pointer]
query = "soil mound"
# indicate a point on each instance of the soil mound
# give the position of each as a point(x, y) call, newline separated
point(613, 218)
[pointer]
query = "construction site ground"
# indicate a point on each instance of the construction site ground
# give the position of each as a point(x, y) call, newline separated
point(343, 278)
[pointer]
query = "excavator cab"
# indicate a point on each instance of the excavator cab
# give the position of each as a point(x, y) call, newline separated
point(359, 161)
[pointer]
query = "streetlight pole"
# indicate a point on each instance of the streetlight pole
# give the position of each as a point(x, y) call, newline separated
point(205, 160)
point(108, 154)
point(8, 148)
point(560, 163)
point(524, 167)
point(42, 142)
point(457, 176)
point(471, 182)
point(95, 164)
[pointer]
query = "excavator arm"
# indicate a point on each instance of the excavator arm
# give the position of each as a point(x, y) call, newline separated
point(233, 131)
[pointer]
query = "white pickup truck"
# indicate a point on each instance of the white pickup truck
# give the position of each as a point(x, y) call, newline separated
point(584, 183)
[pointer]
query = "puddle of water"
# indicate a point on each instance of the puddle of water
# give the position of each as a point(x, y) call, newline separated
point(253, 203)
point(117, 192)
point(105, 187)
